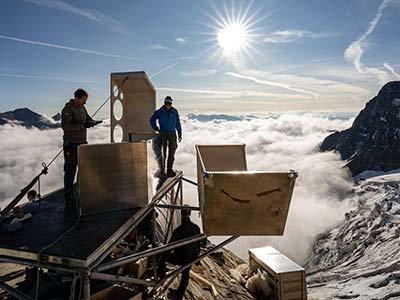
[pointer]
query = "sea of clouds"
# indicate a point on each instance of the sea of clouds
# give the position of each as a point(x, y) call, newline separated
point(273, 143)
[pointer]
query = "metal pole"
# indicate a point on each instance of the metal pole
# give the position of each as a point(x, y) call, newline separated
point(12, 275)
point(181, 193)
point(86, 286)
point(151, 252)
point(177, 207)
point(179, 270)
point(171, 213)
point(13, 292)
point(189, 181)
point(124, 279)
point(26, 262)
point(141, 214)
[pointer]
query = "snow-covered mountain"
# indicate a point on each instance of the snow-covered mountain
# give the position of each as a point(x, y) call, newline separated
point(29, 119)
point(360, 258)
point(372, 143)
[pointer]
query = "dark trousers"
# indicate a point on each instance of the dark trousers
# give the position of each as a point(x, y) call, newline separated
point(175, 260)
point(164, 143)
point(70, 166)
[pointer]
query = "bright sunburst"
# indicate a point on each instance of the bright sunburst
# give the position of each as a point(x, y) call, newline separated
point(232, 38)
point(234, 34)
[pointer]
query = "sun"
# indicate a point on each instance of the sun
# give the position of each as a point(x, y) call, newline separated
point(234, 34)
point(232, 38)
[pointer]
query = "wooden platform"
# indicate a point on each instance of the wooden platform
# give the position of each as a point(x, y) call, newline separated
point(79, 248)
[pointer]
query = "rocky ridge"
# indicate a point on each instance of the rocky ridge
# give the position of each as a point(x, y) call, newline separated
point(29, 119)
point(372, 141)
point(360, 258)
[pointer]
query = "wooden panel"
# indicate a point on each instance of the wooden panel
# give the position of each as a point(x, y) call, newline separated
point(112, 176)
point(218, 158)
point(246, 203)
point(139, 103)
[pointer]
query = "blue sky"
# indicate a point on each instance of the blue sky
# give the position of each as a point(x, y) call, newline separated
point(291, 55)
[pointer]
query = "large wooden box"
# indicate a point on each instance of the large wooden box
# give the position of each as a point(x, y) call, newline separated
point(285, 276)
point(133, 101)
point(235, 201)
point(112, 176)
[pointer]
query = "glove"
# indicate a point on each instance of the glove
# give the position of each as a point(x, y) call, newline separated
point(90, 124)
point(180, 139)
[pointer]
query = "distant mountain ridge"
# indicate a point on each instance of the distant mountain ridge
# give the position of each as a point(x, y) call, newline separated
point(29, 119)
point(372, 142)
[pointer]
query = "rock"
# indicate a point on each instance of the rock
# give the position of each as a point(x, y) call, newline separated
point(359, 258)
point(27, 118)
point(372, 141)
point(379, 284)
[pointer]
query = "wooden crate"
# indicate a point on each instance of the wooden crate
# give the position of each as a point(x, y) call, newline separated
point(235, 201)
point(286, 277)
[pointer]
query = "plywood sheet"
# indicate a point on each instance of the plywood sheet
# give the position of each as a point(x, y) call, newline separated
point(222, 157)
point(138, 98)
point(112, 176)
point(274, 261)
point(246, 203)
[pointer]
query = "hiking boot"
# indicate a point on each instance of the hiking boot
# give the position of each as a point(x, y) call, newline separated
point(171, 173)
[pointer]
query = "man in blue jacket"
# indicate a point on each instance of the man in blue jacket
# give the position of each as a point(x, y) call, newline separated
point(168, 126)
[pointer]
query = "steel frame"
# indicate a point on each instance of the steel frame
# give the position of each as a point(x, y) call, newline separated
point(169, 198)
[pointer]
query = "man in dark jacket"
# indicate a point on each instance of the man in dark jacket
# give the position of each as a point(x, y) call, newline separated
point(168, 125)
point(74, 121)
point(182, 255)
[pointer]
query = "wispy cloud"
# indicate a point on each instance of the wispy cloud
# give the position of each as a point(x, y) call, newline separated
point(90, 14)
point(292, 35)
point(199, 73)
point(180, 40)
point(227, 94)
point(274, 84)
point(47, 78)
point(355, 50)
point(156, 47)
point(164, 69)
point(391, 70)
point(51, 45)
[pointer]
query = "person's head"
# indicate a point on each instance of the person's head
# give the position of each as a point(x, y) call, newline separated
point(168, 102)
point(32, 195)
point(185, 212)
point(81, 97)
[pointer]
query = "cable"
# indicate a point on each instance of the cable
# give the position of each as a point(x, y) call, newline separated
point(76, 206)
point(97, 110)
point(104, 103)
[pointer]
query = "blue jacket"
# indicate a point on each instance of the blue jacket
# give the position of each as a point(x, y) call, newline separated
point(168, 121)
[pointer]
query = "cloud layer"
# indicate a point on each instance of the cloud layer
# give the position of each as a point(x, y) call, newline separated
point(274, 143)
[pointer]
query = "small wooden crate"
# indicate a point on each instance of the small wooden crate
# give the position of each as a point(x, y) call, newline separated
point(286, 277)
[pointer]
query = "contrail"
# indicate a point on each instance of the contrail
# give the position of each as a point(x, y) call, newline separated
point(391, 70)
point(273, 83)
point(355, 50)
point(63, 47)
point(25, 76)
point(164, 69)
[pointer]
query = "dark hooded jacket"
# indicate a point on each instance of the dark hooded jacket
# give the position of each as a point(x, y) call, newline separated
point(188, 253)
point(73, 122)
